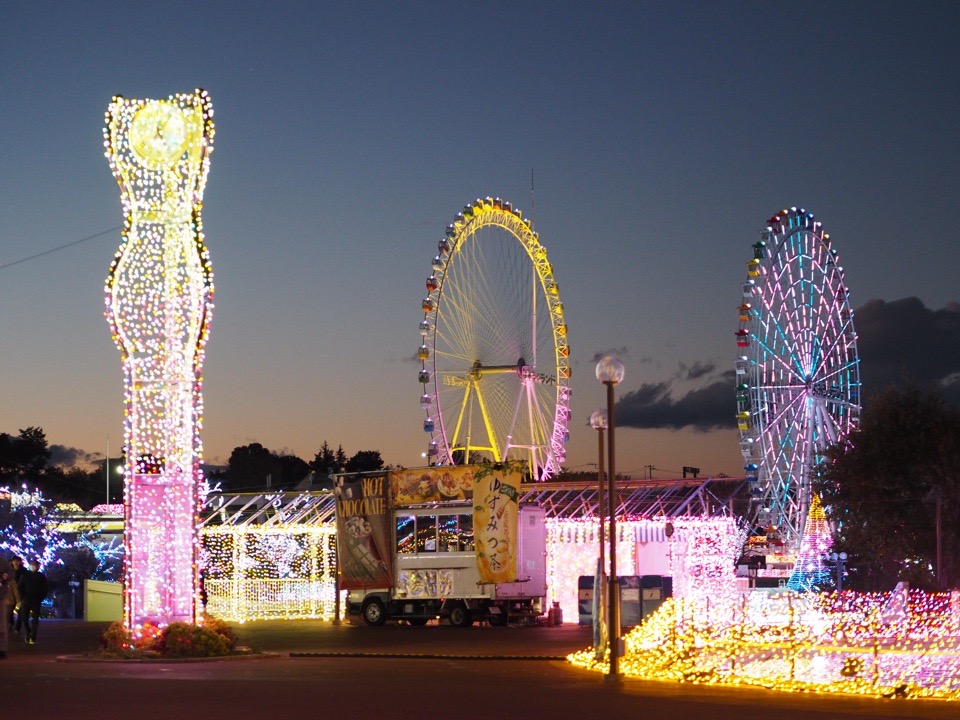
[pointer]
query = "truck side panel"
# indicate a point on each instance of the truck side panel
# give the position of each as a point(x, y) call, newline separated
point(440, 575)
point(531, 556)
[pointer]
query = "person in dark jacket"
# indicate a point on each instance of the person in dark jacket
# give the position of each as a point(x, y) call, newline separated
point(33, 591)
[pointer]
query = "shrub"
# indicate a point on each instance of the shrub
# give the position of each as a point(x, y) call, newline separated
point(117, 642)
point(183, 640)
point(221, 628)
point(177, 640)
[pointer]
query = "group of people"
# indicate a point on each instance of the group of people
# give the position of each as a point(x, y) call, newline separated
point(22, 591)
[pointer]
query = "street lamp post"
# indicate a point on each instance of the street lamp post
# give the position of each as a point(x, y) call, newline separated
point(840, 562)
point(610, 372)
point(598, 421)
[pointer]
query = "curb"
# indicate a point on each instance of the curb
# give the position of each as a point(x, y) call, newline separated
point(423, 656)
point(158, 660)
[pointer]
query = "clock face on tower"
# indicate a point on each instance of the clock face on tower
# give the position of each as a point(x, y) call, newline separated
point(158, 133)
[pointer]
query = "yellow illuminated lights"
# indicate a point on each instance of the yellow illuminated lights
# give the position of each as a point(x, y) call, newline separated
point(277, 572)
point(904, 644)
point(158, 132)
point(811, 571)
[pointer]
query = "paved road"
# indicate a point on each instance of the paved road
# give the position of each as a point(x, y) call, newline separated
point(317, 670)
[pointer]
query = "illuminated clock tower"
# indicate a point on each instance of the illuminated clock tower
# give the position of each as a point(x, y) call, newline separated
point(159, 297)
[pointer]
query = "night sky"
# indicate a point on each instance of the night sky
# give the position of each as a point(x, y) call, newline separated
point(661, 136)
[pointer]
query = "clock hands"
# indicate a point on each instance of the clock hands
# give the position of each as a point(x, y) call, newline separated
point(158, 133)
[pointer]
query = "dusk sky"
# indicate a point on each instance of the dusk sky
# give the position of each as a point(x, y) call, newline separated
point(661, 135)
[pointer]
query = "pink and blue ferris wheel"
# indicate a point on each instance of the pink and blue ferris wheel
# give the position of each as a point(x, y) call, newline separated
point(798, 371)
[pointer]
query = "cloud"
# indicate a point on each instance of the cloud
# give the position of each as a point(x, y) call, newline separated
point(69, 457)
point(903, 341)
point(620, 352)
point(697, 371)
point(710, 407)
point(899, 342)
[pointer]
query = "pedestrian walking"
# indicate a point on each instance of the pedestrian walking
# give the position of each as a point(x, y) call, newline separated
point(33, 591)
point(18, 568)
point(9, 598)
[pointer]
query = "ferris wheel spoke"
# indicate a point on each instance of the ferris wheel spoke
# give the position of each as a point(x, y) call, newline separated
point(794, 394)
point(791, 367)
point(784, 346)
point(837, 344)
point(787, 418)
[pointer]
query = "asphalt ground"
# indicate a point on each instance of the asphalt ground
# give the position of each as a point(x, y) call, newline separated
point(312, 669)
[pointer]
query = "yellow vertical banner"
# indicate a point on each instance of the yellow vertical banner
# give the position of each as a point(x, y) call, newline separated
point(496, 494)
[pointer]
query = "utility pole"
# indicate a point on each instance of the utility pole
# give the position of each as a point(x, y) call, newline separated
point(936, 496)
point(940, 582)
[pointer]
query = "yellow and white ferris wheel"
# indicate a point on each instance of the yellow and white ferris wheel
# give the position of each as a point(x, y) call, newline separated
point(495, 360)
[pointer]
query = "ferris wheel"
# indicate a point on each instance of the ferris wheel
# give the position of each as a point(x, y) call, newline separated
point(798, 374)
point(495, 361)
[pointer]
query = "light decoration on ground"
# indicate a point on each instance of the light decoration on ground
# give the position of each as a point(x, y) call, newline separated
point(159, 301)
point(104, 509)
point(811, 571)
point(108, 551)
point(31, 528)
point(702, 553)
point(274, 572)
point(22, 498)
point(572, 551)
point(899, 644)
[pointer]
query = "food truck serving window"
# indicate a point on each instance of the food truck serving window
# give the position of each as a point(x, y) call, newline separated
point(434, 533)
point(406, 534)
point(465, 532)
point(426, 533)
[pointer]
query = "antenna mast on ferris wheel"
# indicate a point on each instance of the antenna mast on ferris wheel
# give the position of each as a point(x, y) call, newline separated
point(533, 202)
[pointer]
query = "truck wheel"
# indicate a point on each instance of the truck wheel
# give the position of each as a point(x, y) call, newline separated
point(460, 616)
point(374, 612)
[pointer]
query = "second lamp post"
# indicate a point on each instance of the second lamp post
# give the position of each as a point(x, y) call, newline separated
point(610, 373)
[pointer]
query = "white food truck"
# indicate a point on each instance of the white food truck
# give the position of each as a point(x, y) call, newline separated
point(440, 542)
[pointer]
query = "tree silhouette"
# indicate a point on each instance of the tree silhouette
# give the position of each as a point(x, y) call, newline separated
point(882, 487)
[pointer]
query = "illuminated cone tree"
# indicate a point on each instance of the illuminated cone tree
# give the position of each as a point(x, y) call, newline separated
point(811, 571)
